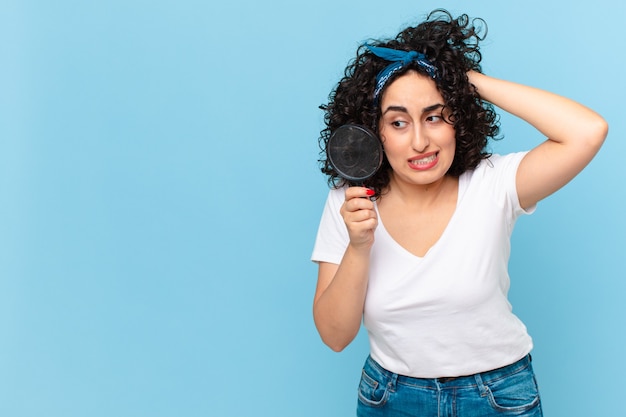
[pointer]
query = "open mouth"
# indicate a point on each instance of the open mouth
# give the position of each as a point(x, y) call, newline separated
point(425, 161)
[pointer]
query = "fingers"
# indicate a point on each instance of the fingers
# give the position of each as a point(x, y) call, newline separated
point(360, 216)
point(358, 202)
point(357, 198)
point(360, 192)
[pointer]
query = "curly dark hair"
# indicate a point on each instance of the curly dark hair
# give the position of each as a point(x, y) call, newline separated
point(452, 46)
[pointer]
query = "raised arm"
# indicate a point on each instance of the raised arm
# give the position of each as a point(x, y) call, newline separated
point(575, 134)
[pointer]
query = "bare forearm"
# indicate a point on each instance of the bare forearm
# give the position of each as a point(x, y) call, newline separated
point(338, 310)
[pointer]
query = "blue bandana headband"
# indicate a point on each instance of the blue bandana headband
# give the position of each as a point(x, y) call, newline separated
point(399, 59)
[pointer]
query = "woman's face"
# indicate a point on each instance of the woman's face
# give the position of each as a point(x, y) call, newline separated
point(418, 142)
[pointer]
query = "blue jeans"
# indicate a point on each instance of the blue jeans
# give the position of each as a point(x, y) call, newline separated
point(508, 391)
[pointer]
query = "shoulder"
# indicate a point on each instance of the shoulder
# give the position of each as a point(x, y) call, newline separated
point(498, 161)
point(497, 165)
point(336, 196)
point(495, 179)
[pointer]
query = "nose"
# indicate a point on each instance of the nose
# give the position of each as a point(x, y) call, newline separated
point(420, 140)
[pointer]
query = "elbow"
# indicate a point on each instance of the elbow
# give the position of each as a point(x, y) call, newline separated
point(590, 137)
point(336, 339)
point(335, 333)
point(598, 132)
point(604, 131)
point(335, 346)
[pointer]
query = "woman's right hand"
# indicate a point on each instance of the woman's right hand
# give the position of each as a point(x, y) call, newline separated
point(340, 293)
point(360, 216)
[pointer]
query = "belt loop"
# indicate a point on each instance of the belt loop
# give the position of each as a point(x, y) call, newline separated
point(392, 382)
point(481, 385)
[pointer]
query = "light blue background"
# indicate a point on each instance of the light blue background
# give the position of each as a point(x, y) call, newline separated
point(159, 197)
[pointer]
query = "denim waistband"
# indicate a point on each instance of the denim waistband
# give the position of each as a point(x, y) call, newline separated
point(462, 381)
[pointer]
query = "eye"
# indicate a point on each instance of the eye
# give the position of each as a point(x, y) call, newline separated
point(398, 123)
point(434, 118)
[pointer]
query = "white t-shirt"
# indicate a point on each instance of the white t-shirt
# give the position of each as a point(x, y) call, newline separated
point(445, 314)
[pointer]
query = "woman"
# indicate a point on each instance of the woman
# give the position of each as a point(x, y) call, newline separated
point(423, 260)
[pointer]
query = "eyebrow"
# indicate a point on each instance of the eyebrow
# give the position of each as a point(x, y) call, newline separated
point(403, 109)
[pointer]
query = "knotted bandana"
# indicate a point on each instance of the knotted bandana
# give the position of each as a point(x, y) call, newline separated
point(399, 59)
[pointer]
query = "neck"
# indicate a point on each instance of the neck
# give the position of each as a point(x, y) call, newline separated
point(422, 195)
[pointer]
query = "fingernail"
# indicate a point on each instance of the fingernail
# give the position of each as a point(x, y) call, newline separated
point(370, 192)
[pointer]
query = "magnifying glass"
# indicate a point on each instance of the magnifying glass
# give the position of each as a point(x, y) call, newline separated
point(355, 152)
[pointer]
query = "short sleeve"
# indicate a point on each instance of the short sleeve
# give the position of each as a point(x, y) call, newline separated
point(506, 167)
point(332, 235)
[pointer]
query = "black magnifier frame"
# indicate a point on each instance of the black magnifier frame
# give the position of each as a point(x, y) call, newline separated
point(355, 152)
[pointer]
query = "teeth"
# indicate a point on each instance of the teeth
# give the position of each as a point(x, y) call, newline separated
point(425, 160)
